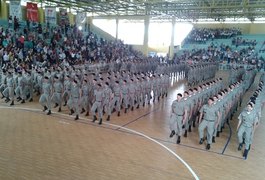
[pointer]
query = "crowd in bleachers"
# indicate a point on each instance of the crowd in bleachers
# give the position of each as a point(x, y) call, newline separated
point(202, 35)
point(239, 41)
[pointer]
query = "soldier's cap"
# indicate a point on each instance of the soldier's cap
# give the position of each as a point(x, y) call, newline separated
point(93, 74)
point(124, 81)
point(107, 83)
point(75, 81)
point(220, 93)
point(132, 80)
point(56, 77)
point(186, 92)
point(85, 80)
point(19, 72)
point(191, 90)
point(108, 77)
point(117, 82)
point(85, 74)
point(68, 76)
point(94, 79)
point(46, 77)
point(99, 84)
point(195, 89)
point(101, 79)
point(208, 83)
point(179, 94)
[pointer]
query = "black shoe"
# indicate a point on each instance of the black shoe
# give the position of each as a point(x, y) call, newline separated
point(185, 134)
point(213, 140)
point(245, 154)
point(108, 118)
point(23, 101)
point(59, 110)
point(218, 134)
point(125, 110)
point(178, 140)
point(138, 106)
point(56, 105)
point(12, 103)
point(183, 126)
point(132, 108)
point(172, 134)
point(201, 141)
point(143, 104)
point(83, 110)
point(190, 128)
point(76, 117)
point(100, 121)
point(65, 103)
point(49, 112)
point(71, 112)
point(30, 100)
point(45, 108)
point(194, 125)
point(119, 113)
point(208, 147)
point(18, 99)
point(7, 100)
point(94, 118)
point(87, 113)
point(240, 147)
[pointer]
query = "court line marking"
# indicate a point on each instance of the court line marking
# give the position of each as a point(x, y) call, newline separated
point(229, 138)
point(138, 118)
point(127, 129)
point(70, 118)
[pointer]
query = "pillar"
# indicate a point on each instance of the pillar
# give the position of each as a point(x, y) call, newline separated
point(41, 15)
point(4, 12)
point(171, 49)
point(146, 34)
point(117, 28)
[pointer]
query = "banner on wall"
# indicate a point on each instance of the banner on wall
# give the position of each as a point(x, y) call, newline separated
point(64, 19)
point(80, 19)
point(50, 15)
point(15, 9)
point(32, 12)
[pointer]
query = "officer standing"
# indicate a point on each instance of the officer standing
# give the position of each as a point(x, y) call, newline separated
point(74, 101)
point(9, 91)
point(246, 125)
point(57, 94)
point(178, 117)
point(209, 115)
point(98, 103)
point(45, 98)
point(117, 98)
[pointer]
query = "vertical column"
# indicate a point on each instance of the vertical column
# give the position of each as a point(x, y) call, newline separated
point(41, 15)
point(146, 34)
point(89, 21)
point(171, 49)
point(117, 28)
point(4, 14)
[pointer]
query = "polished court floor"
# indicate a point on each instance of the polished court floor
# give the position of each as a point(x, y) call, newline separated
point(135, 145)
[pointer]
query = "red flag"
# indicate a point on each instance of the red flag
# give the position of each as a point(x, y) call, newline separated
point(32, 12)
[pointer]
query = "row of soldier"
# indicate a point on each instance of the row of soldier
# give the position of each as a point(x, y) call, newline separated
point(250, 117)
point(219, 109)
point(105, 94)
point(202, 72)
point(83, 92)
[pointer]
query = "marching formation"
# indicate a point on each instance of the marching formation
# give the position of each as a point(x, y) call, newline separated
point(210, 105)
